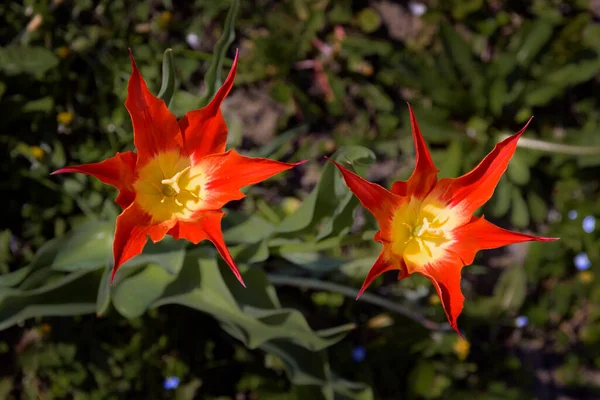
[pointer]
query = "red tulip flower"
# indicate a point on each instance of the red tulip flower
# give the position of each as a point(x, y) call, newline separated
point(179, 178)
point(427, 225)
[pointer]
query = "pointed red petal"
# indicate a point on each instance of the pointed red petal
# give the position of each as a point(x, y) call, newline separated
point(472, 190)
point(382, 264)
point(424, 177)
point(133, 225)
point(445, 277)
point(480, 234)
point(379, 201)
point(226, 173)
point(117, 171)
point(204, 131)
point(207, 225)
point(155, 128)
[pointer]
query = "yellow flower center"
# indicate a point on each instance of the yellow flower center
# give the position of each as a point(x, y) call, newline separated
point(420, 231)
point(168, 187)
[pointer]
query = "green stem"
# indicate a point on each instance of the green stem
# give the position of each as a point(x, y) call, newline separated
point(308, 283)
point(537, 144)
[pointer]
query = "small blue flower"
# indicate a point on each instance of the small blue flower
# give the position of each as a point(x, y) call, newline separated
point(171, 382)
point(582, 262)
point(521, 321)
point(572, 214)
point(589, 224)
point(359, 353)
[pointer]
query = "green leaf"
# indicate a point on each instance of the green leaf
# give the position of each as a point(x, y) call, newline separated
point(168, 253)
point(182, 102)
point(556, 82)
point(202, 286)
point(520, 215)
point(43, 105)
point(14, 278)
point(511, 289)
point(103, 298)
point(167, 88)
point(453, 158)
point(518, 170)
point(537, 207)
point(460, 52)
point(247, 229)
point(537, 36)
point(87, 247)
point(73, 294)
point(312, 375)
point(134, 295)
point(212, 79)
point(320, 203)
point(26, 60)
point(497, 98)
point(500, 203)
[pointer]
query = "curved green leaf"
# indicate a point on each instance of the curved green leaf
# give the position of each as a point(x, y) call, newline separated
point(167, 88)
point(212, 79)
point(320, 203)
point(74, 294)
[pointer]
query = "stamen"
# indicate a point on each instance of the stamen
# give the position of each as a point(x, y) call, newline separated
point(174, 181)
point(440, 222)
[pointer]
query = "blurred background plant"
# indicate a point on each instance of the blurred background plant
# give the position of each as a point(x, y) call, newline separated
point(316, 77)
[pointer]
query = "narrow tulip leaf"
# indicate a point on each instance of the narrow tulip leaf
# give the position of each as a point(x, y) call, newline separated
point(320, 203)
point(167, 88)
point(497, 95)
point(14, 278)
point(555, 83)
point(87, 247)
point(212, 78)
point(538, 34)
point(460, 52)
point(104, 291)
point(73, 294)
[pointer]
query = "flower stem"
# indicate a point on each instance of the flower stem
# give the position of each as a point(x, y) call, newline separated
point(542, 145)
point(308, 283)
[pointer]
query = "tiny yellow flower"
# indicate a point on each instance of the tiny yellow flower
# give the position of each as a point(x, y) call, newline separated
point(290, 204)
point(380, 321)
point(37, 152)
point(63, 52)
point(461, 348)
point(64, 118)
point(45, 328)
point(365, 69)
point(164, 19)
point(586, 277)
point(434, 299)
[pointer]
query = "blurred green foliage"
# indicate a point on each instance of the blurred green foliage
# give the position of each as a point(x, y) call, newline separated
point(316, 77)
